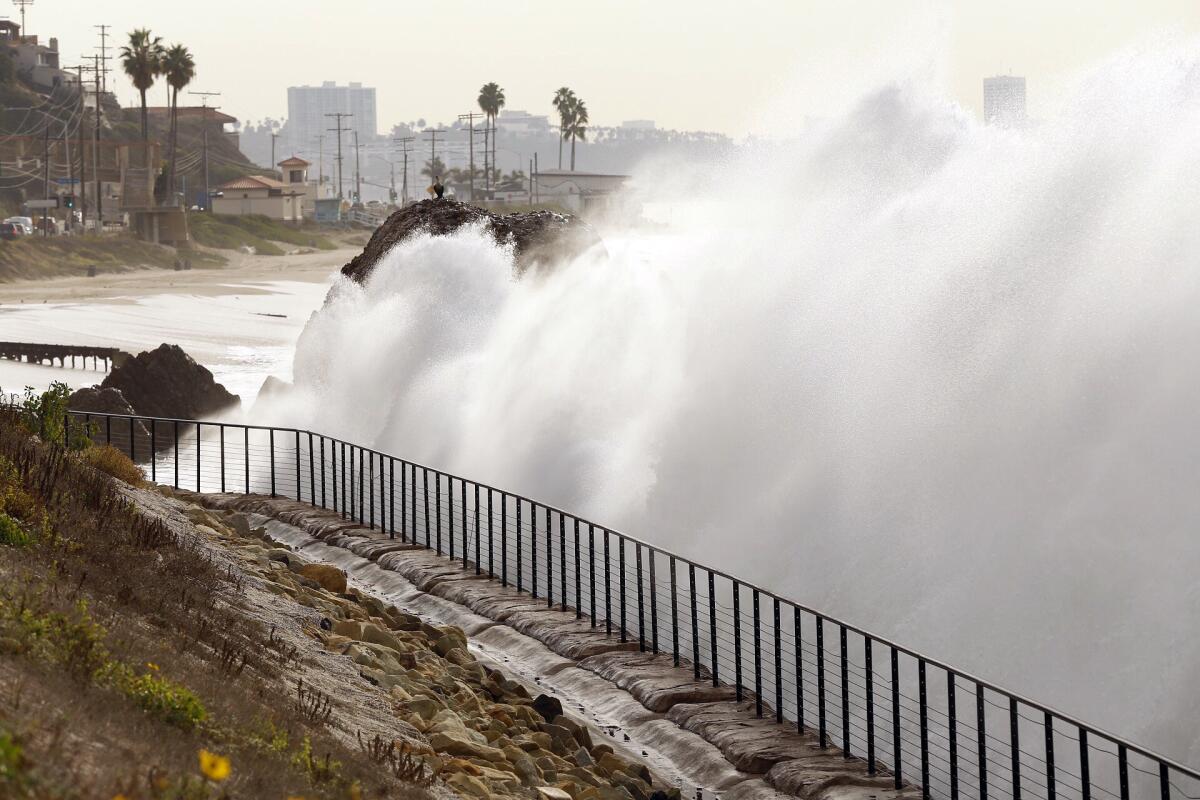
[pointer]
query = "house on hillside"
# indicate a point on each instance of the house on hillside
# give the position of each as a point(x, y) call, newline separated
point(37, 63)
point(258, 194)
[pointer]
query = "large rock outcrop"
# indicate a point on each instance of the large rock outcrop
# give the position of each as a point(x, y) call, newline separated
point(537, 236)
point(167, 382)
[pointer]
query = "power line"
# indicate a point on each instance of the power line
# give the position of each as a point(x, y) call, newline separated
point(404, 141)
point(204, 126)
point(103, 57)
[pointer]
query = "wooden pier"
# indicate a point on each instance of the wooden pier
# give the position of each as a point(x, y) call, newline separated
point(77, 355)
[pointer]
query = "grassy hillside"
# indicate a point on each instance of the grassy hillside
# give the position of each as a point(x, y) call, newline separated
point(230, 232)
point(62, 256)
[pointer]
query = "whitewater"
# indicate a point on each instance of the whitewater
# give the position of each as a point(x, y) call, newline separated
point(935, 378)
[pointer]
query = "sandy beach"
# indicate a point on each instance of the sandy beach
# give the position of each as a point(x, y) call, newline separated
point(240, 320)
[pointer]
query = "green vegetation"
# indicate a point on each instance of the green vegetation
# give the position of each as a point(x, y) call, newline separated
point(230, 232)
point(63, 256)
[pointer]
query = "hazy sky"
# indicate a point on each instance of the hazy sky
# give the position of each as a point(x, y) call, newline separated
point(688, 64)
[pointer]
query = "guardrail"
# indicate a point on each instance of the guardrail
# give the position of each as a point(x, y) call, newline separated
point(904, 713)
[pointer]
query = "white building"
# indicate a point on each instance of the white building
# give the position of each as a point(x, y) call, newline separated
point(577, 191)
point(37, 63)
point(258, 194)
point(522, 123)
point(1003, 100)
point(307, 123)
point(294, 172)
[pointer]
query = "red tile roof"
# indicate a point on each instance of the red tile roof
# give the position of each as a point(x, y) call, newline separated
point(294, 161)
point(252, 182)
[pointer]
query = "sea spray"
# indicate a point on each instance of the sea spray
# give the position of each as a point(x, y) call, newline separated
point(936, 378)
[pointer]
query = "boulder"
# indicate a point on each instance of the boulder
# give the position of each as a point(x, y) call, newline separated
point(536, 236)
point(549, 707)
point(167, 382)
point(330, 578)
point(100, 400)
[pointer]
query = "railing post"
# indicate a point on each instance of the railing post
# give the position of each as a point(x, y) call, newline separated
point(758, 703)
point(1015, 747)
point(504, 539)
point(299, 491)
point(821, 681)
point(845, 692)
point(175, 427)
point(637, 550)
point(361, 495)
point(621, 560)
point(674, 613)
point(712, 626)
point(981, 742)
point(869, 669)
point(333, 473)
point(477, 558)
point(923, 694)
point(271, 433)
point(952, 732)
point(1085, 772)
point(562, 561)
point(491, 532)
point(1123, 770)
point(392, 499)
point(607, 590)
point(425, 501)
point(533, 549)
point(312, 473)
point(737, 640)
point(371, 492)
point(897, 766)
point(437, 505)
point(197, 457)
point(153, 448)
point(549, 561)
point(221, 435)
point(404, 501)
point(695, 621)
point(591, 571)
point(520, 559)
point(1164, 781)
point(246, 453)
point(1051, 777)
point(462, 493)
point(653, 602)
point(578, 575)
point(798, 636)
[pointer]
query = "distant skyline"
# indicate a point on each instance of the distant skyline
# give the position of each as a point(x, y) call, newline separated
point(686, 65)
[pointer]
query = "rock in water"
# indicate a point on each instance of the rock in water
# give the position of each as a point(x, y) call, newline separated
point(99, 400)
point(537, 236)
point(167, 382)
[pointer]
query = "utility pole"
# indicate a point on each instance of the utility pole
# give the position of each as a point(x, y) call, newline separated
point(403, 141)
point(22, 4)
point(357, 171)
point(46, 167)
point(339, 116)
point(82, 153)
point(204, 125)
point(433, 134)
point(392, 164)
point(103, 56)
point(536, 193)
point(274, 136)
point(96, 155)
point(470, 118)
point(70, 177)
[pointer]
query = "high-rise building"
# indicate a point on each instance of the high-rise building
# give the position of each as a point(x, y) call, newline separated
point(1003, 100)
point(308, 105)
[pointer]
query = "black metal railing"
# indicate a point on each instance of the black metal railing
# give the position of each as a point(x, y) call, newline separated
point(917, 719)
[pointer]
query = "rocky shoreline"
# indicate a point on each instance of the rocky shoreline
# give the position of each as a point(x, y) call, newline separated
point(475, 730)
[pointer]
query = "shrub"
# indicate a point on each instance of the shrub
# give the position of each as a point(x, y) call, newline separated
point(109, 459)
point(164, 698)
point(11, 533)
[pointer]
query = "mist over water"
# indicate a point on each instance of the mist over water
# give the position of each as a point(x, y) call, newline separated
point(938, 379)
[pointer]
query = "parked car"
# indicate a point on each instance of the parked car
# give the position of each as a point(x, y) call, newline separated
point(26, 223)
point(11, 230)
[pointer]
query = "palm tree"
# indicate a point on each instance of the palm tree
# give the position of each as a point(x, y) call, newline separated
point(435, 168)
point(141, 60)
point(578, 126)
point(179, 68)
point(563, 99)
point(491, 100)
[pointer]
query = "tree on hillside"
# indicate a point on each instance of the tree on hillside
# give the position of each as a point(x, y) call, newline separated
point(141, 60)
point(577, 129)
point(179, 68)
point(563, 99)
point(491, 100)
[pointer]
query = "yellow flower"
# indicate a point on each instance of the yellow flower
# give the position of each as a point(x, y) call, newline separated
point(152, 666)
point(213, 766)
